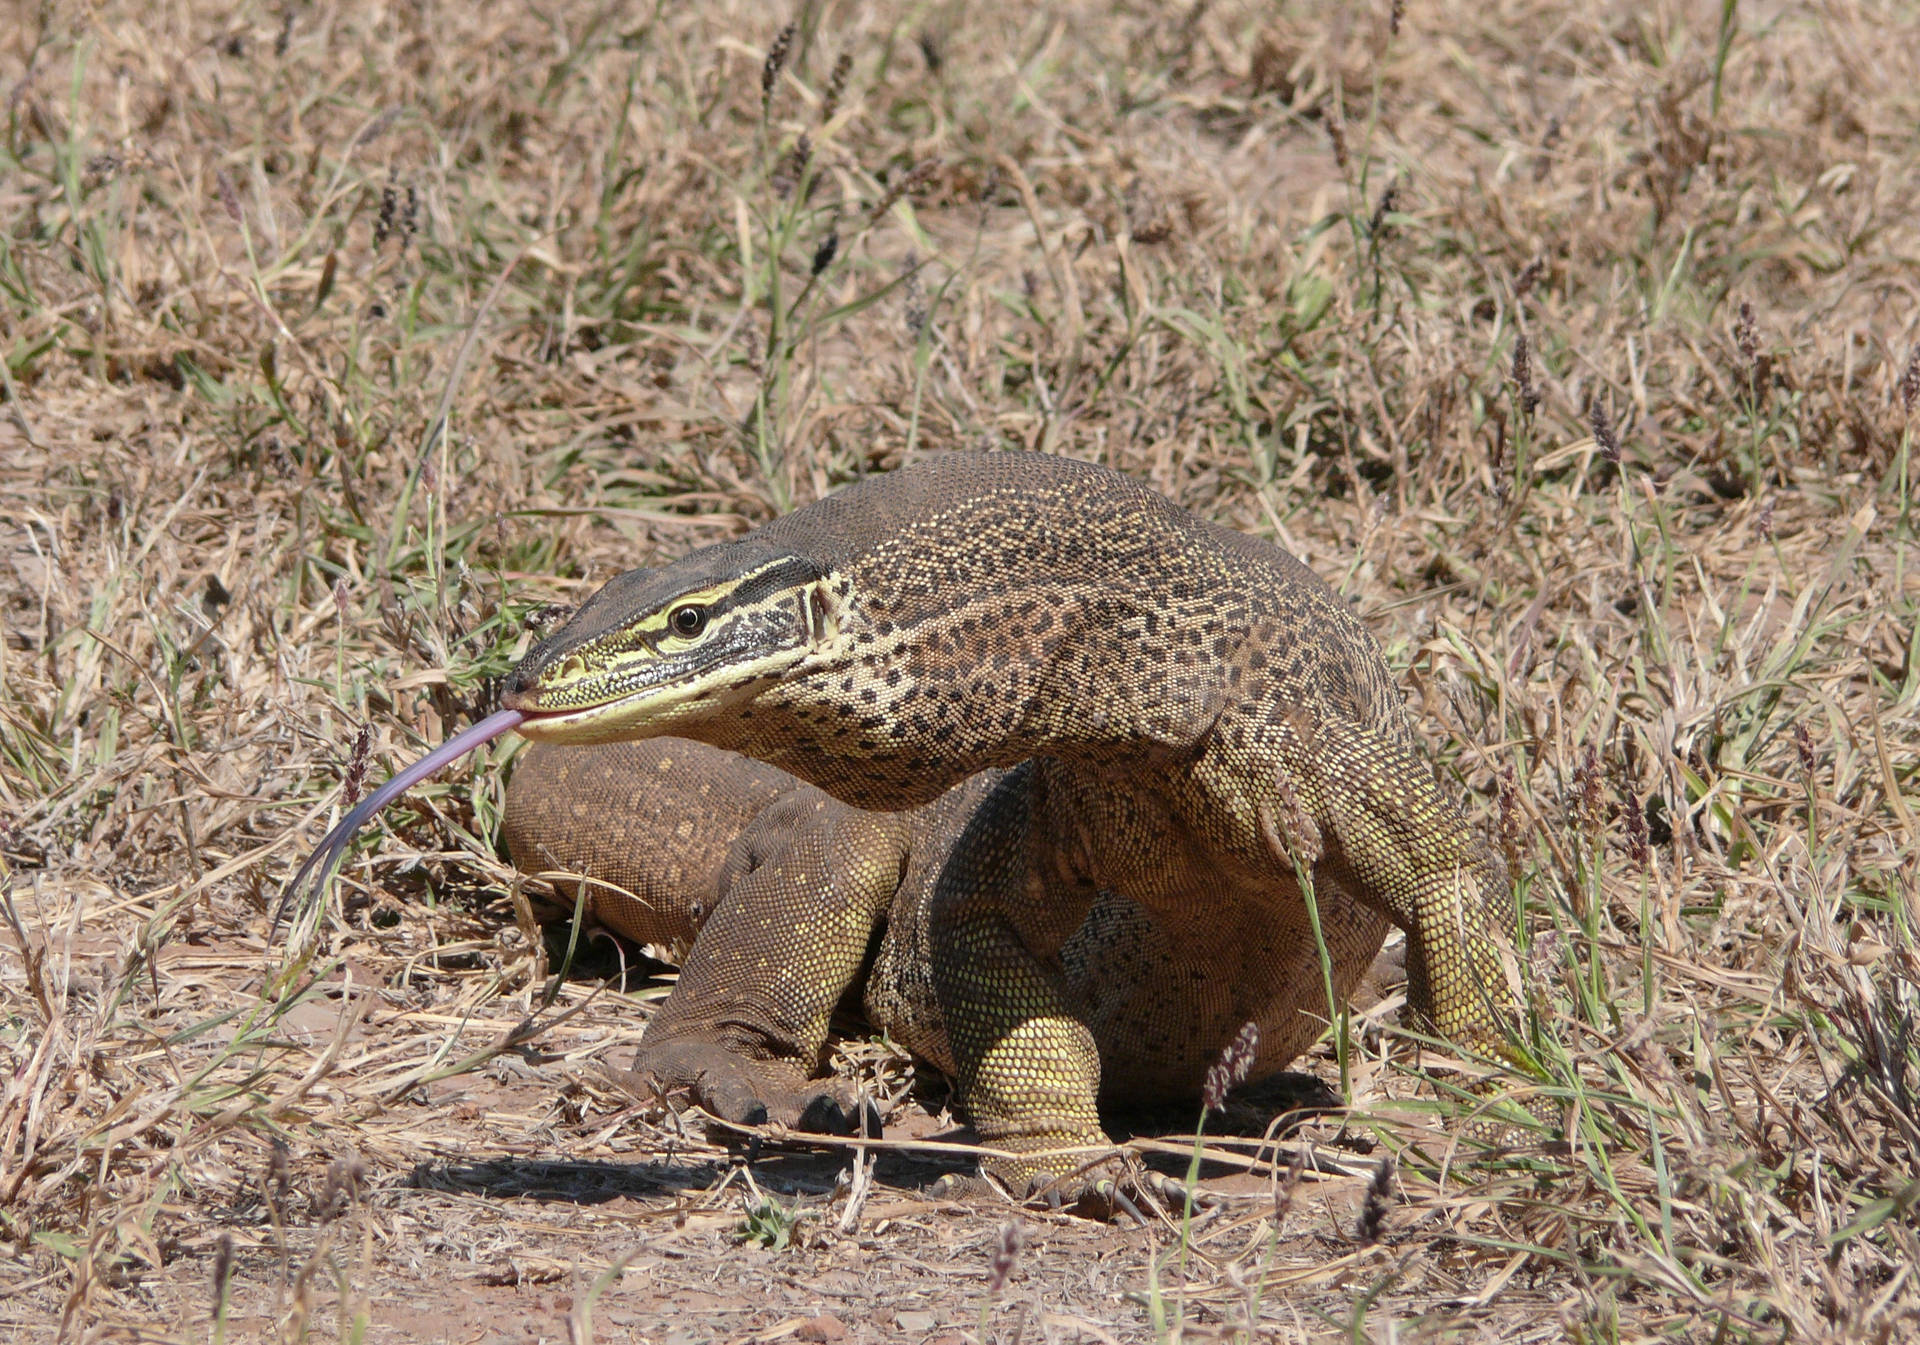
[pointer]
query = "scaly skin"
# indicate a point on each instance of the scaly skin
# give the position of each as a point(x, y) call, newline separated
point(676, 839)
point(1183, 699)
point(769, 892)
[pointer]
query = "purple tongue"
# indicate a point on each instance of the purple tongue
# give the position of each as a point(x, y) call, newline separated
point(319, 865)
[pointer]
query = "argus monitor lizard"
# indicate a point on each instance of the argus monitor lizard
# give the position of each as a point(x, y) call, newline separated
point(1150, 727)
point(1170, 716)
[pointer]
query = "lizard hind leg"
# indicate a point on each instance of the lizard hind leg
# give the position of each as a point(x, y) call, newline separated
point(650, 827)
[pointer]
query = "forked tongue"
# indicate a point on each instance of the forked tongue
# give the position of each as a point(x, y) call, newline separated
point(320, 864)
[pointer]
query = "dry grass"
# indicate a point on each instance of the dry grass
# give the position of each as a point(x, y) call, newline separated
point(336, 341)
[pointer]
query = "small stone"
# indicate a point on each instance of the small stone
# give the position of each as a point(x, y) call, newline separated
point(915, 1321)
point(825, 1327)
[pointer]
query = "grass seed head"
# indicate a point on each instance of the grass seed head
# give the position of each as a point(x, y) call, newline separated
point(776, 62)
point(1543, 958)
point(1006, 1254)
point(1497, 457)
point(1588, 803)
point(1639, 850)
point(1746, 336)
point(1298, 831)
point(357, 766)
point(793, 167)
point(1527, 394)
point(341, 1188)
point(823, 254)
point(1373, 1210)
point(1603, 432)
point(1388, 200)
point(389, 215)
point(932, 52)
point(279, 1178)
point(1910, 381)
point(914, 311)
point(222, 1270)
point(836, 87)
point(1511, 824)
point(1803, 748)
point(1529, 277)
point(1232, 1068)
point(1283, 1190)
point(229, 199)
point(901, 185)
point(1337, 137)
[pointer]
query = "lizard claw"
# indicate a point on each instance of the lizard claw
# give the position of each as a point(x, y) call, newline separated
point(963, 1186)
point(1126, 1206)
point(749, 1092)
point(1101, 1191)
point(1174, 1194)
point(1104, 1200)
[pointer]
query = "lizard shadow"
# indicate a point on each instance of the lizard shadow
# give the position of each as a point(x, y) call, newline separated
point(651, 1180)
point(796, 1169)
point(1255, 1118)
point(667, 1178)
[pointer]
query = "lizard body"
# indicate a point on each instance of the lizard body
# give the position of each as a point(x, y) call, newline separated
point(667, 832)
point(1186, 720)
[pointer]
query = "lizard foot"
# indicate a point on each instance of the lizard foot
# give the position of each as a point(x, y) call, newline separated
point(1104, 1194)
point(1103, 1200)
point(748, 1092)
point(1102, 1190)
point(1109, 1191)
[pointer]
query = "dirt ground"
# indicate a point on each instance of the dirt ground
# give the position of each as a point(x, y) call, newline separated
point(1578, 347)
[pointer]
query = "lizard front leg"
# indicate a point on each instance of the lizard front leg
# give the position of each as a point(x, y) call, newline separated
point(745, 1029)
point(765, 888)
point(1407, 850)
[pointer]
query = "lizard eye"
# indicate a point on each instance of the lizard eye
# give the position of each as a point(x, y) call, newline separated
point(688, 621)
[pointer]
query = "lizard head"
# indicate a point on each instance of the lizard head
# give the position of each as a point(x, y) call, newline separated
point(655, 650)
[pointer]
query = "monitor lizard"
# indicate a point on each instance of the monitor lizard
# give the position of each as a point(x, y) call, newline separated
point(1168, 724)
